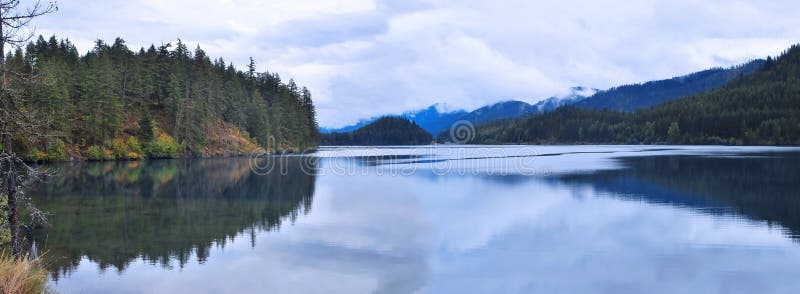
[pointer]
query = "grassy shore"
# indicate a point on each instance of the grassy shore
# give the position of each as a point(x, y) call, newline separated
point(22, 275)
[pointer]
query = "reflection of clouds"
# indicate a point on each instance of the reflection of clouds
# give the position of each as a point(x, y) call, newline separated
point(474, 210)
point(550, 241)
point(353, 230)
point(452, 233)
point(486, 208)
point(349, 243)
point(524, 160)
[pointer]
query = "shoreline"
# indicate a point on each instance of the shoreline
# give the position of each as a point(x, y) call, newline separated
point(231, 155)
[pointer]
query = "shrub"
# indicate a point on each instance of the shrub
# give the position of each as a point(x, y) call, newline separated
point(120, 149)
point(164, 146)
point(133, 155)
point(108, 154)
point(133, 145)
point(22, 275)
point(127, 149)
point(35, 155)
point(94, 153)
point(57, 151)
point(99, 153)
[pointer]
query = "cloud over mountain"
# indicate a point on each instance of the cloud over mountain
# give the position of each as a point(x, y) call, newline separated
point(363, 58)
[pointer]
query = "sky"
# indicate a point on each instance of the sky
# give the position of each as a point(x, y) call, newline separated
point(362, 58)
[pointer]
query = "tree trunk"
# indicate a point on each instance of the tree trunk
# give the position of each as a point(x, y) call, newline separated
point(13, 225)
point(10, 175)
point(14, 18)
point(10, 187)
point(6, 138)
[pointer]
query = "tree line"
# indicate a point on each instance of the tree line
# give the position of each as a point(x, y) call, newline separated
point(384, 131)
point(758, 109)
point(638, 96)
point(160, 101)
point(163, 210)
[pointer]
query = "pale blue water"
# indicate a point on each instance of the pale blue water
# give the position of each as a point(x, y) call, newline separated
point(465, 219)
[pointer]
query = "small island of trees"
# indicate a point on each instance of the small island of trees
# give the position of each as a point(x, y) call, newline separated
point(384, 131)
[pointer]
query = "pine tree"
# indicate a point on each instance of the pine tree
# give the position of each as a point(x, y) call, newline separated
point(101, 107)
point(251, 68)
point(167, 89)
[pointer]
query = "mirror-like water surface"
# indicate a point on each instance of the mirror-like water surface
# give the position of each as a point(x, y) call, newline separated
point(516, 219)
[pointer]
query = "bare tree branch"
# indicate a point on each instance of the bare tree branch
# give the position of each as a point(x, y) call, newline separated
point(17, 121)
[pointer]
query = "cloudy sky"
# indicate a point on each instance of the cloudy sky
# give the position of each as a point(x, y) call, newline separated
point(362, 58)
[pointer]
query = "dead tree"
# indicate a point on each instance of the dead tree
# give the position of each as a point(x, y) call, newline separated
point(17, 122)
point(17, 176)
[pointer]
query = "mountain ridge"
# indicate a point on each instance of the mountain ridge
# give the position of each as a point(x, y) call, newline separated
point(762, 108)
point(388, 130)
point(642, 95)
point(438, 117)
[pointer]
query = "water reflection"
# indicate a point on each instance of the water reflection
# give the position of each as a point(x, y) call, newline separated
point(758, 186)
point(666, 222)
point(163, 211)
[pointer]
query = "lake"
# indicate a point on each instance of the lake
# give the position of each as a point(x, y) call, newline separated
point(442, 219)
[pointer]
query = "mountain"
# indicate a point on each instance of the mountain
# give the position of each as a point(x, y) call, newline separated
point(506, 109)
point(638, 96)
point(116, 103)
point(577, 94)
point(350, 128)
point(432, 119)
point(513, 108)
point(762, 108)
point(384, 131)
point(626, 98)
point(435, 118)
point(438, 118)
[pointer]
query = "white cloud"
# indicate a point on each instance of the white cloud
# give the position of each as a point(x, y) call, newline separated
point(363, 58)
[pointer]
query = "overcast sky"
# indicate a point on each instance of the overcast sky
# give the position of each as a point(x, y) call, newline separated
point(362, 58)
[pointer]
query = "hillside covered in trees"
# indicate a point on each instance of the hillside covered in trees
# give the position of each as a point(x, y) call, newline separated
point(164, 101)
point(758, 109)
point(638, 96)
point(384, 131)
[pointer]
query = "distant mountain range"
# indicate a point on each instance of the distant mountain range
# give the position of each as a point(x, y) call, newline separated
point(432, 119)
point(513, 108)
point(756, 107)
point(638, 96)
point(437, 118)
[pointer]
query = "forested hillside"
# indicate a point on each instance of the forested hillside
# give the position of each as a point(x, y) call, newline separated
point(165, 101)
point(432, 119)
point(435, 118)
point(759, 109)
point(638, 96)
point(384, 131)
point(505, 109)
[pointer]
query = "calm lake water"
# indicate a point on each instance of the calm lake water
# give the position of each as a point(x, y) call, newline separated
point(465, 219)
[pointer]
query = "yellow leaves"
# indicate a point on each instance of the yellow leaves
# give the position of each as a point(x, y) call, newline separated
point(21, 275)
point(164, 146)
point(121, 149)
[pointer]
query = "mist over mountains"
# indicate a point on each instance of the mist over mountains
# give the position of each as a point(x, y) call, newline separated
point(638, 96)
point(439, 117)
point(759, 107)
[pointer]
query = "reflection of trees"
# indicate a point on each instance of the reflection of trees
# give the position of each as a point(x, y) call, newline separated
point(761, 187)
point(378, 160)
point(164, 210)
